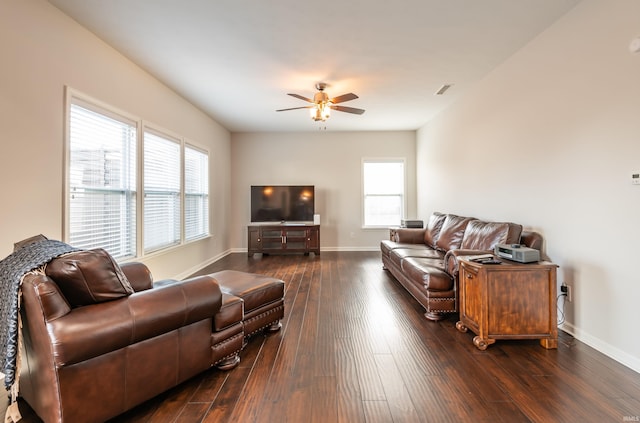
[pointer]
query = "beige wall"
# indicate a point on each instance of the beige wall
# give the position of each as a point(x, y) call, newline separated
point(43, 50)
point(331, 161)
point(550, 139)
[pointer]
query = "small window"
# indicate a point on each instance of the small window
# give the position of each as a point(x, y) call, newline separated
point(196, 193)
point(161, 191)
point(101, 180)
point(383, 188)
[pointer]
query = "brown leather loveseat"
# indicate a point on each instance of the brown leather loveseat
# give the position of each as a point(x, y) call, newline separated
point(100, 338)
point(425, 261)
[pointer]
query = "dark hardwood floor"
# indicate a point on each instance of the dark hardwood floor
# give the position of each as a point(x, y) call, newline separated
point(355, 347)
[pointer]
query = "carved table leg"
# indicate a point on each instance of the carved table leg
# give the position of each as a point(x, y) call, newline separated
point(461, 327)
point(481, 343)
point(549, 344)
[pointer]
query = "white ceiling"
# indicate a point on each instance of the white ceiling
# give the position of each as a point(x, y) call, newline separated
point(237, 59)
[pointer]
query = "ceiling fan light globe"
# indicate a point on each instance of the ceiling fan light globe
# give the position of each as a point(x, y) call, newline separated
point(316, 113)
point(326, 112)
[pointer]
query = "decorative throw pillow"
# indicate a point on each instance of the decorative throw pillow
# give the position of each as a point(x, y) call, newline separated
point(88, 277)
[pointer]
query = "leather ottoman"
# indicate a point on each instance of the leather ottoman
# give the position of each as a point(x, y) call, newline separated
point(263, 298)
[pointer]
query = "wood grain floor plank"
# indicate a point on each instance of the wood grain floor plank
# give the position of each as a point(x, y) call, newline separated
point(324, 400)
point(400, 403)
point(211, 383)
point(377, 412)
point(324, 349)
point(348, 396)
point(193, 412)
point(222, 406)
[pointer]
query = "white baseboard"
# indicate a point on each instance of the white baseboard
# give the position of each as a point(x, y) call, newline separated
point(618, 355)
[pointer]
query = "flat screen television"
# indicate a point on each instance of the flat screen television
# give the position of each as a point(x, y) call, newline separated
point(282, 203)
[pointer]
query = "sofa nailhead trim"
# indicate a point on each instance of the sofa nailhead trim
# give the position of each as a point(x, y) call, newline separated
point(260, 316)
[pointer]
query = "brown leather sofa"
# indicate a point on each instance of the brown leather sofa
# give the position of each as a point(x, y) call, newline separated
point(425, 261)
point(100, 338)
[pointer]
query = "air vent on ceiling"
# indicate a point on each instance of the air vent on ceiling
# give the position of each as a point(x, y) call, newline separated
point(443, 89)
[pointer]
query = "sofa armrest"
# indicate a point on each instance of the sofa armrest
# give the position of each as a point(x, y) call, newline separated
point(94, 330)
point(451, 259)
point(531, 239)
point(43, 292)
point(410, 235)
point(138, 274)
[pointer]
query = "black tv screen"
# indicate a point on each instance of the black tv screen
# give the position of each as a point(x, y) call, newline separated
point(282, 203)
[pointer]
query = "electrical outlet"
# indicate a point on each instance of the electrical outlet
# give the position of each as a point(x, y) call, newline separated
point(566, 290)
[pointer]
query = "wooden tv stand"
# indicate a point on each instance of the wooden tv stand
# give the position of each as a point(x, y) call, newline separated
point(279, 238)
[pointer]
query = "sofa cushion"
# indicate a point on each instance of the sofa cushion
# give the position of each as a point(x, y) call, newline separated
point(434, 226)
point(452, 231)
point(397, 255)
point(427, 273)
point(387, 246)
point(88, 277)
point(480, 235)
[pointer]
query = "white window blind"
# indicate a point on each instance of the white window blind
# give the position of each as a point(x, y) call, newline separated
point(383, 185)
point(101, 180)
point(161, 192)
point(196, 190)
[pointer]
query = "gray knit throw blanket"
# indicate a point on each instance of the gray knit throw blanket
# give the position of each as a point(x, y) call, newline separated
point(12, 269)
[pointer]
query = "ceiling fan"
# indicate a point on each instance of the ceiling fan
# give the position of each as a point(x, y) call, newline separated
point(322, 104)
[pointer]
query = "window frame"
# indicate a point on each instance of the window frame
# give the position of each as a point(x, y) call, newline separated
point(364, 195)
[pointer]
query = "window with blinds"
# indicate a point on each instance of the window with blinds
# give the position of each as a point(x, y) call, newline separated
point(161, 192)
point(383, 189)
point(130, 189)
point(196, 193)
point(102, 180)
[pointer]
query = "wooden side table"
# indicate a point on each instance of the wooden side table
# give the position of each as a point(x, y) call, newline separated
point(508, 301)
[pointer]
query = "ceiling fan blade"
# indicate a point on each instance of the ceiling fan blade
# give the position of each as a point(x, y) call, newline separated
point(301, 97)
point(344, 97)
point(294, 108)
point(348, 109)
